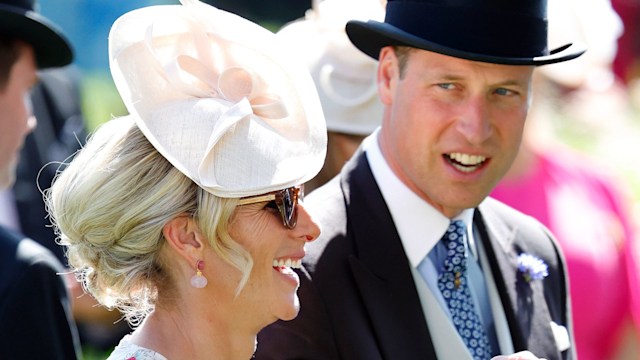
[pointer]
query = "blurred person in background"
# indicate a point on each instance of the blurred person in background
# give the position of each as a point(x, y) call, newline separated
point(626, 64)
point(35, 311)
point(60, 132)
point(270, 14)
point(55, 101)
point(580, 199)
point(344, 77)
point(187, 214)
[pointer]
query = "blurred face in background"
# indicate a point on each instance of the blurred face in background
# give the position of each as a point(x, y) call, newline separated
point(16, 116)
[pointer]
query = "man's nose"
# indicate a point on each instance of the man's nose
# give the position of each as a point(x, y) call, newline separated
point(474, 121)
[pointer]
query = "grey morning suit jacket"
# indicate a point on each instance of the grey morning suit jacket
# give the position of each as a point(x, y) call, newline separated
point(359, 300)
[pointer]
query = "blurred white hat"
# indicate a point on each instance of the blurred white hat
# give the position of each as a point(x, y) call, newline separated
point(595, 24)
point(344, 76)
point(219, 97)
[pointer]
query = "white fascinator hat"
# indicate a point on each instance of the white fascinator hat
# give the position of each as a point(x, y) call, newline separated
point(344, 76)
point(219, 97)
point(594, 23)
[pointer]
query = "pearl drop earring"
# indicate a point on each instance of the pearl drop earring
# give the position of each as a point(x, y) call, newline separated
point(198, 280)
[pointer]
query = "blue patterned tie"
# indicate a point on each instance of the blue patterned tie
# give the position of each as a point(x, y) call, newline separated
point(452, 283)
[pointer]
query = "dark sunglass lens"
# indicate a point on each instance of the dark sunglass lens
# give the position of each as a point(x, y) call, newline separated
point(272, 205)
point(287, 203)
point(289, 208)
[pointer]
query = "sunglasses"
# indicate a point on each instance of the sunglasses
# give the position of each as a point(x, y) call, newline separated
point(285, 200)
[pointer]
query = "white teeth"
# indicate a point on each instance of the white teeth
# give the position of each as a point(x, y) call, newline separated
point(463, 168)
point(296, 264)
point(466, 159)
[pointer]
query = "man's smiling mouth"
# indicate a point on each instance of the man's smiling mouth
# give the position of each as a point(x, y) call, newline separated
point(465, 162)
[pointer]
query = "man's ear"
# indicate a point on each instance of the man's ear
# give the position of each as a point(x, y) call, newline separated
point(184, 237)
point(388, 74)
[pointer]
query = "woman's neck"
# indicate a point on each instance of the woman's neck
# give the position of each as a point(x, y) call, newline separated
point(192, 335)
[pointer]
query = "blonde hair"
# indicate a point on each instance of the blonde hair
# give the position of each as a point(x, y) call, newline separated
point(109, 207)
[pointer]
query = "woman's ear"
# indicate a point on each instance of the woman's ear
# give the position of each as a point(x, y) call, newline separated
point(184, 236)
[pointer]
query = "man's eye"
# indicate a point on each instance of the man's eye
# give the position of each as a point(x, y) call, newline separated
point(446, 86)
point(504, 92)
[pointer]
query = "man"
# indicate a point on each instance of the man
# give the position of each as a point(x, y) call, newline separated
point(413, 261)
point(35, 314)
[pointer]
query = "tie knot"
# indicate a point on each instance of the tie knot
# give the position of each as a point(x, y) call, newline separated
point(455, 233)
point(454, 241)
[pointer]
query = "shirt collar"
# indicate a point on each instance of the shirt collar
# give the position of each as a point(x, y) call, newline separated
point(419, 225)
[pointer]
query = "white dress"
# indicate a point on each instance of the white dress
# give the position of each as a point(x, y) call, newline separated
point(126, 350)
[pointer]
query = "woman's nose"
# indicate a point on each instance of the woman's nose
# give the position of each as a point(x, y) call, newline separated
point(306, 226)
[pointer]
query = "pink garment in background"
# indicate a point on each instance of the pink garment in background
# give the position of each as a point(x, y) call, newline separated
point(583, 207)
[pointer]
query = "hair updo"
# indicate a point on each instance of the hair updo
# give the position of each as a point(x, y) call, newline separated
point(109, 206)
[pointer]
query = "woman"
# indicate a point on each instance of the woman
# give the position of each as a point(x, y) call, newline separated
point(185, 215)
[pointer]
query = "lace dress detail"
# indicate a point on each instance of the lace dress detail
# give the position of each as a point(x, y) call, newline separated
point(126, 350)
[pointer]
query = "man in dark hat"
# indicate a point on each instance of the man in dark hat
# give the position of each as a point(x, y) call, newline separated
point(414, 261)
point(35, 313)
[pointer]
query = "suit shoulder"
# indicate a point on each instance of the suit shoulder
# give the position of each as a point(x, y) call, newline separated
point(18, 252)
point(492, 208)
point(23, 260)
point(327, 207)
point(532, 235)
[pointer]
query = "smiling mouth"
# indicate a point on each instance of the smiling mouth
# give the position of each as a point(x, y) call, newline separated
point(465, 162)
point(282, 265)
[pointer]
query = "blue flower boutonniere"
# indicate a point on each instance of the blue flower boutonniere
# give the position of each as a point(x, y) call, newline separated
point(532, 267)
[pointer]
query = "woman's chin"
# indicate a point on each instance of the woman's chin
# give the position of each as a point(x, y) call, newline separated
point(292, 311)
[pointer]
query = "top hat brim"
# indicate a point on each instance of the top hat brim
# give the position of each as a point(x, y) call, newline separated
point(51, 47)
point(371, 36)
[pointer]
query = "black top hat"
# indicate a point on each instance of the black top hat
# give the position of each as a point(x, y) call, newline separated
point(19, 19)
point(511, 32)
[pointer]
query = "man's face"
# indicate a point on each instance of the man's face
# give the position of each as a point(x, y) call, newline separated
point(451, 127)
point(16, 117)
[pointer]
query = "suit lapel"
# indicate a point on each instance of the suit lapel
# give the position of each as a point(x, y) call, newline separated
point(381, 269)
point(524, 303)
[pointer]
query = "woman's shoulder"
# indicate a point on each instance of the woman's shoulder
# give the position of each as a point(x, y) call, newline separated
point(126, 350)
